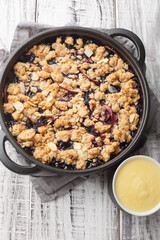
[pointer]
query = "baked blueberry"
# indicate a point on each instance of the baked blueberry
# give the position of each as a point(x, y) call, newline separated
point(72, 103)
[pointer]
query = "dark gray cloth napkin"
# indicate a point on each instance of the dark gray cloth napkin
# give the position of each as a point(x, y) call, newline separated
point(50, 187)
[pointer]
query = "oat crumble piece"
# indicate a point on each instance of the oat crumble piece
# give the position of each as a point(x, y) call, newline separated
point(73, 103)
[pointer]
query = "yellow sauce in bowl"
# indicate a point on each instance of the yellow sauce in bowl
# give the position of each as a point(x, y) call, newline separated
point(137, 184)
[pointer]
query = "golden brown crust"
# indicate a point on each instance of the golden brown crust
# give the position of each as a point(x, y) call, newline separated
point(73, 95)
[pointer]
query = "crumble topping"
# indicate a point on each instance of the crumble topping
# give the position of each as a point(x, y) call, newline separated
point(73, 103)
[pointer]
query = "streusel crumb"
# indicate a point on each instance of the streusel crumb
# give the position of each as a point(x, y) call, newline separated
point(73, 103)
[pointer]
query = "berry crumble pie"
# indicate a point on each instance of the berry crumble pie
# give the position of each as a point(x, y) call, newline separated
point(73, 103)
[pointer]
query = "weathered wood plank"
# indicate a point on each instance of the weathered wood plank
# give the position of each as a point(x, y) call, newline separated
point(137, 17)
point(89, 13)
point(92, 211)
point(86, 212)
point(90, 206)
point(142, 18)
point(15, 205)
point(12, 12)
point(76, 215)
point(15, 189)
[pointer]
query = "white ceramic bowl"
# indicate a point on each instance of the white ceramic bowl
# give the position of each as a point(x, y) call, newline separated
point(146, 213)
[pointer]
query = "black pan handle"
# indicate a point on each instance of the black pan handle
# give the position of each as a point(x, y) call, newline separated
point(14, 167)
point(134, 38)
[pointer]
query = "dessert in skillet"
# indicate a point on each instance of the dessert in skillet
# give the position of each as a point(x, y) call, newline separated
point(72, 104)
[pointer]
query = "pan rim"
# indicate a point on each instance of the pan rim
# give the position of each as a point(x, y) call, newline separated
point(122, 51)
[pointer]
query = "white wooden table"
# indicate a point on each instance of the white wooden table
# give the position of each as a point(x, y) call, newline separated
point(85, 213)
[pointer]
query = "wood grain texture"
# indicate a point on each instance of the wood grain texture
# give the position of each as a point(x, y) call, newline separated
point(137, 16)
point(86, 212)
point(91, 211)
point(12, 12)
point(15, 204)
point(87, 13)
point(142, 18)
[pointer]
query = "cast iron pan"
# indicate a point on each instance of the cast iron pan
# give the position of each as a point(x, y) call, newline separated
point(104, 39)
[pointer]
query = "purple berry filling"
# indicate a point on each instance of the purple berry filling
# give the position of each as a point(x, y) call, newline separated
point(64, 145)
point(109, 117)
point(27, 58)
point(62, 165)
point(42, 121)
point(51, 61)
